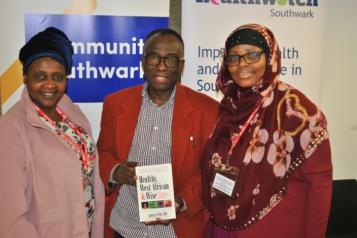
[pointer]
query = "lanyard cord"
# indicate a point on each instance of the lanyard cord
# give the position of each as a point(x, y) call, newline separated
point(237, 138)
point(83, 147)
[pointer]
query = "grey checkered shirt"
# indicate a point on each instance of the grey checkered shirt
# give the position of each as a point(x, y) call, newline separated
point(151, 145)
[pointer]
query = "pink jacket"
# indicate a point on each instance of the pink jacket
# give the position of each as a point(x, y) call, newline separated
point(40, 178)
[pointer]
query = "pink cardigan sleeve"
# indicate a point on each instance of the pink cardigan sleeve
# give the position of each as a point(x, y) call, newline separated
point(14, 188)
point(317, 171)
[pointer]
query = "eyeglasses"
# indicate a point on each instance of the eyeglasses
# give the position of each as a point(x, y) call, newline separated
point(155, 59)
point(249, 58)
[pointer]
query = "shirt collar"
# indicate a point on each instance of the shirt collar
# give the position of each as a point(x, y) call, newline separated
point(146, 97)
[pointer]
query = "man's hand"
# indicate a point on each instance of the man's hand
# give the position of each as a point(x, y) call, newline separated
point(158, 221)
point(125, 173)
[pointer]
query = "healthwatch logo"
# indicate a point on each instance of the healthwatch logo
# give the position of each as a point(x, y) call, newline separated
point(299, 3)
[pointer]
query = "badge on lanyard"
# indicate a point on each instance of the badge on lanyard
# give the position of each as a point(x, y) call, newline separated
point(225, 177)
point(225, 180)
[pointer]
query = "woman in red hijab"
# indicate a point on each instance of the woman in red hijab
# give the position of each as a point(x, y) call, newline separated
point(267, 168)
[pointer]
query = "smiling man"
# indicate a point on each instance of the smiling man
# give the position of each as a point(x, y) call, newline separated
point(159, 122)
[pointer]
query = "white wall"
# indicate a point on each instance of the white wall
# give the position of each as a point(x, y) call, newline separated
point(339, 90)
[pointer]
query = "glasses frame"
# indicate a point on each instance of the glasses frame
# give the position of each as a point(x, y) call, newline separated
point(161, 58)
point(244, 58)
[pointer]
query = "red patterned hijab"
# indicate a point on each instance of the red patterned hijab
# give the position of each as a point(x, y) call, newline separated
point(284, 132)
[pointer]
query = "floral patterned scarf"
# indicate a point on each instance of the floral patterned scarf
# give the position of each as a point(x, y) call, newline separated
point(284, 132)
point(80, 142)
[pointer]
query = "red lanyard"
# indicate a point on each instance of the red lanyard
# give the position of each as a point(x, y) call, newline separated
point(237, 138)
point(83, 147)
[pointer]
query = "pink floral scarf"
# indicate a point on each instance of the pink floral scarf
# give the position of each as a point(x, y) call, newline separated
point(284, 132)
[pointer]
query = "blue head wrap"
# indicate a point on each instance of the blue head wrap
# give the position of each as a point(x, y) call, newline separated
point(48, 43)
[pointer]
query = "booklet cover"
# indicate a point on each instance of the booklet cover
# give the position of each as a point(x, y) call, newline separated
point(155, 192)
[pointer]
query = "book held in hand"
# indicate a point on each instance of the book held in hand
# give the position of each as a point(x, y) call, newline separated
point(155, 189)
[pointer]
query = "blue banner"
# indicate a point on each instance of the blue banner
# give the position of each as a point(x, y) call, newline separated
point(107, 50)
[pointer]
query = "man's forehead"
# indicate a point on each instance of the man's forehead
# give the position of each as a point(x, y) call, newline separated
point(164, 43)
point(162, 37)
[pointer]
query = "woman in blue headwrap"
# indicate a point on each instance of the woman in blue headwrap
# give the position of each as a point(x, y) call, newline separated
point(49, 180)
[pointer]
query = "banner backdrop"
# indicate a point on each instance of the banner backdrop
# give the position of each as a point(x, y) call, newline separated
point(108, 37)
point(104, 60)
point(297, 24)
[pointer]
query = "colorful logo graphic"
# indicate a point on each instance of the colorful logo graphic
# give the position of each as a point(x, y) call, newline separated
point(291, 3)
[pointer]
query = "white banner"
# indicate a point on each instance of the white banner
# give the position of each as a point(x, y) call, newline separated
point(298, 26)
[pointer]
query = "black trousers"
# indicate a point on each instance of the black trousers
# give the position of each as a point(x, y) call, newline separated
point(117, 235)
